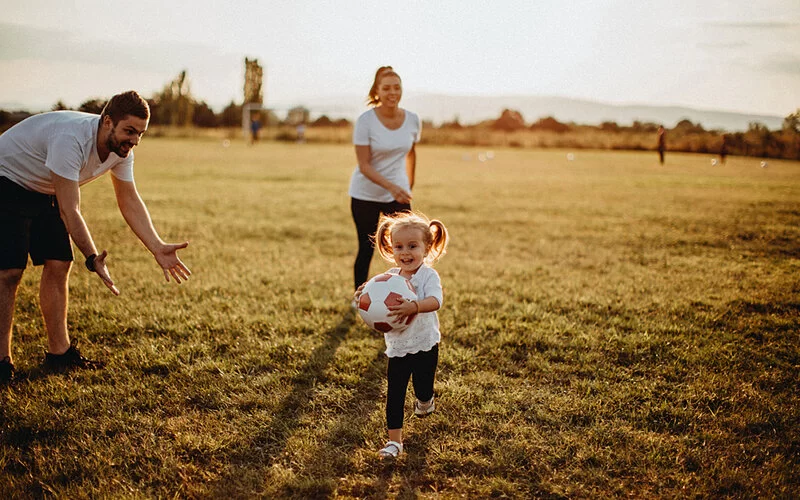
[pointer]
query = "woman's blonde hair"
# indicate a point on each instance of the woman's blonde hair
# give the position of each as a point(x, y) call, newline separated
point(434, 234)
point(373, 99)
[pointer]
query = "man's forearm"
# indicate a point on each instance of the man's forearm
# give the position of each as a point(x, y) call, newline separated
point(69, 205)
point(79, 231)
point(138, 219)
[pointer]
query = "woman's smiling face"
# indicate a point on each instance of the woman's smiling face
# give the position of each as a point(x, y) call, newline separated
point(390, 90)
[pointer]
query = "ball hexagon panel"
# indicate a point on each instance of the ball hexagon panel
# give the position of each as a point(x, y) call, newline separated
point(378, 294)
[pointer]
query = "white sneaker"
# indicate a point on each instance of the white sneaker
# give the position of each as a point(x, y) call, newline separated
point(421, 409)
point(391, 450)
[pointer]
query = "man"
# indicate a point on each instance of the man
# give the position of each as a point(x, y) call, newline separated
point(662, 143)
point(43, 161)
point(723, 150)
point(255, 126)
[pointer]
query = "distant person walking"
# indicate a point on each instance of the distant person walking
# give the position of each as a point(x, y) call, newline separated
point(662, 143)
point(723, 150)
point(44, 160)
point(255, 128)
point(384, 139)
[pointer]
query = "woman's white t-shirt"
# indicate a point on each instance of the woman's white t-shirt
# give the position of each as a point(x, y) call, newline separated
point(388, 150)
point(423, 333)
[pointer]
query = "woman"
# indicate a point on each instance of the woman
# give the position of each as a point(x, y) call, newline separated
point(384, 138)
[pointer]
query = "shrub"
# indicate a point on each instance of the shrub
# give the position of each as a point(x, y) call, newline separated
point(550, 124)
point(509, 121)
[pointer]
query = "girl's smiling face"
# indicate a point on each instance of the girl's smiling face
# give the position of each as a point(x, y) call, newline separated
point(408, 249)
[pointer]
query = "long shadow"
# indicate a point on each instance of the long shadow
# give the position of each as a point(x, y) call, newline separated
point(410, 467)
point(342, 438)
point(366, 395)
point(288, 414)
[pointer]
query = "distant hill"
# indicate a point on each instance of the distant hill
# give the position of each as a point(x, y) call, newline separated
point(474, 109)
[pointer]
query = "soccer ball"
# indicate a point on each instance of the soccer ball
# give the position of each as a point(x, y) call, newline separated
point(713, 162)
point(379, 293)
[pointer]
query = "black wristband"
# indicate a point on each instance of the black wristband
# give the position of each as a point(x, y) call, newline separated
point(90, 262)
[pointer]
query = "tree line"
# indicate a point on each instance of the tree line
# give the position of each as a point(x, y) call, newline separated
point(685, 136)
point(175, 106)
point(173, 112)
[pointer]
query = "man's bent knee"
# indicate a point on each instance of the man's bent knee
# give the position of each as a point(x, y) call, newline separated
point(57, 267)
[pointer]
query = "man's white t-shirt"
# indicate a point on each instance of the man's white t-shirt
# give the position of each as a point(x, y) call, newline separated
point(423, 333)
point(388, 150)
point(59, 142)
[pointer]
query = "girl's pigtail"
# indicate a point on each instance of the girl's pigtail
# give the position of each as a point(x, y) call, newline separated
point(438, 240)
point(383, 239)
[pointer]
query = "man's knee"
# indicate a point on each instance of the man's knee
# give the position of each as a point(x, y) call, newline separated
point(58, 266)
point(58, 269)
point(10, 278)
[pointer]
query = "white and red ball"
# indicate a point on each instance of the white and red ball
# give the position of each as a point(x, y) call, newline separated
point(379, 293)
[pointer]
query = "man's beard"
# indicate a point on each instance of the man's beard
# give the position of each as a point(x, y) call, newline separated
point(119, 148)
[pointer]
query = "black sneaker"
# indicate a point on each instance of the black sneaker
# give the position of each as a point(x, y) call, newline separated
point(6, 370)
point(70, 359)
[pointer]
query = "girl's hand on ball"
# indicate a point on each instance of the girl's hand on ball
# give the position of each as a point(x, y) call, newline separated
point(404, 309)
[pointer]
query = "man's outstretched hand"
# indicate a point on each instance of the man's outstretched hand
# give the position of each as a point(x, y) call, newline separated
point(102, 270)
point(167, 258)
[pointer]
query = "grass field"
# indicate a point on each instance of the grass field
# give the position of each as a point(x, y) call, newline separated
point(611, 328)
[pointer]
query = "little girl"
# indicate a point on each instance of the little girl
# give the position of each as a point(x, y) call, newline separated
point(413, 242)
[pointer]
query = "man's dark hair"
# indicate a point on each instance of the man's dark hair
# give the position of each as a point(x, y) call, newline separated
point(127, 103)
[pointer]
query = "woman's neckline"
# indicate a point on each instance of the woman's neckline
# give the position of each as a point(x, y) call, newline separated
point(380, 119)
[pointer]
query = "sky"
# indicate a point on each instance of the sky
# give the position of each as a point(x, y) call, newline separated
point(739, 56)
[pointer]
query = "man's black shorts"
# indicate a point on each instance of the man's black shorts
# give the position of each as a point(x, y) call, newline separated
point(30, 223)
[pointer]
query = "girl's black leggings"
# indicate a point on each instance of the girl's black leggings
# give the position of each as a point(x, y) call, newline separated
point(366, 215)
point(420, 367)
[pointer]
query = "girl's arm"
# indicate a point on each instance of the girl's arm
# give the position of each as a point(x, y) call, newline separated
point(411, 307)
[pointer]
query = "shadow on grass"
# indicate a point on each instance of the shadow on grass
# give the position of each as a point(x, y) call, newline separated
point(267, 447)
point(317, 477)
point(41, 372)
point(346, 435)
point(338, 457)
point(387, 477)
point(409, 471)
